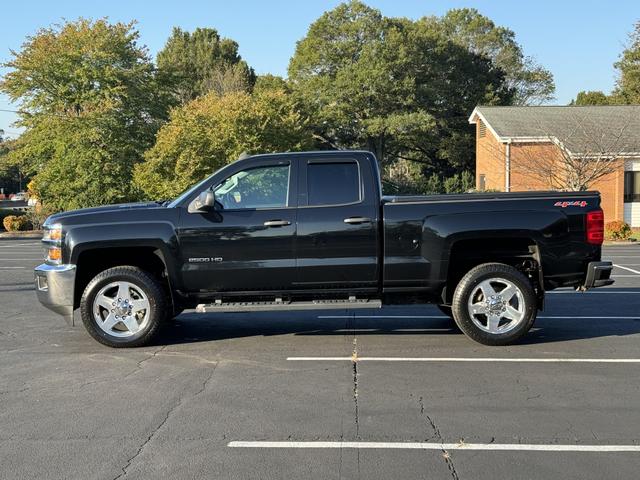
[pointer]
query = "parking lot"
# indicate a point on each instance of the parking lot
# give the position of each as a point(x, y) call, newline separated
point(392, 393)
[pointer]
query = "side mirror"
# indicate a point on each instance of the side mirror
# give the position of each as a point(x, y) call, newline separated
point(205, 202)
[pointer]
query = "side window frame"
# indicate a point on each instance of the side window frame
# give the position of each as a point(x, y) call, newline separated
point(221, 176)
point(303, 196)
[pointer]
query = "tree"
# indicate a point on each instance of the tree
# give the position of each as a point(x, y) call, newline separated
point(90, 103)
point(628, 84)
point(192, 64)
point(398, 88)
point(531, 83)
point(211, 131)
point(271, 82)
point(592, 98)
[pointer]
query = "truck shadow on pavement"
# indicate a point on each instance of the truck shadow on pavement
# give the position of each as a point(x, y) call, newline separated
point(195, 328)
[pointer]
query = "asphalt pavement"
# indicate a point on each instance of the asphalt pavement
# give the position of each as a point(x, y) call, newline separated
point(382, 394)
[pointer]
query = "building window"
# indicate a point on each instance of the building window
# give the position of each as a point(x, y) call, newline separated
point(632, 186)
point(482, 182)
point(482, 128)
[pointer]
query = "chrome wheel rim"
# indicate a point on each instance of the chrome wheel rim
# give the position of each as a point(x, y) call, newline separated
point(496, 306)
point(121, 309)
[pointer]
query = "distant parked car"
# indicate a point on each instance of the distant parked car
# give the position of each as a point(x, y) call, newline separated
point(19, 197)
point(32, 202)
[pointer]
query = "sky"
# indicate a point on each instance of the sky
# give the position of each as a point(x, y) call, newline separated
point(577, 40)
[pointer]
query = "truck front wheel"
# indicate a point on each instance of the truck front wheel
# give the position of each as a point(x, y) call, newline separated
point(494, 304)
point(123, 307)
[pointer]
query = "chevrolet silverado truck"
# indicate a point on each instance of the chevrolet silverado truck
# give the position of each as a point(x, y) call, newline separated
point(312, 230)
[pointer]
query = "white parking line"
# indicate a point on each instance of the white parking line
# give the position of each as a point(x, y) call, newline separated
point(463, 359)
point(533, 447)
point(547, 317)
point(22, 245)
point(626, 268)
point(606, 291)
point(20, 259)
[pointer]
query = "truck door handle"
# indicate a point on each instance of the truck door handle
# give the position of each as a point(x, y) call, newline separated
point(357, 220)
point(277, 223)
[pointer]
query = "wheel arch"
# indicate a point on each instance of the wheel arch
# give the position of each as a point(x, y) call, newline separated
point(91, 261)
point(519, 251)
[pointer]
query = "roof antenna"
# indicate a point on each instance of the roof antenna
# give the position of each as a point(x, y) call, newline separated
point(243, 155)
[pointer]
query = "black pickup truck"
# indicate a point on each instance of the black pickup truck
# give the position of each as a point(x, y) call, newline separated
point(312, 231)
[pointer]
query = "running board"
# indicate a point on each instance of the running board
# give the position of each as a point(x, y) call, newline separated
point(279, 305)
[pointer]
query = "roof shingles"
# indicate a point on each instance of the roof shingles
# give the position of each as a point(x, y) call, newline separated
point(583, 130)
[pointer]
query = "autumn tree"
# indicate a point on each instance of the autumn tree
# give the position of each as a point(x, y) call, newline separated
point(211, 131)
point(90, 104)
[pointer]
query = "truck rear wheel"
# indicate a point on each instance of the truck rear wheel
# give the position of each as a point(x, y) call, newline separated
point(494, 304)
point(123, 307)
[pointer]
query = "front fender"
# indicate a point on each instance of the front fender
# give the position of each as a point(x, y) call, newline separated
point(157, 234)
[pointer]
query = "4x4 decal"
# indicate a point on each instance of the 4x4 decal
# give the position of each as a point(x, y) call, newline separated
point(575, 203)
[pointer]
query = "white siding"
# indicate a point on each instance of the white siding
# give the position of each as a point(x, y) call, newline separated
point(632, 165)
point(632, 210)
point(632, 214)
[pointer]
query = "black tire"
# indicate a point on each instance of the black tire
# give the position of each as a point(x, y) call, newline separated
point(158, 305)
point(470, 284)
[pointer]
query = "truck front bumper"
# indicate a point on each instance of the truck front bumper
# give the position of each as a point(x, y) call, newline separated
point(55, 288)
point(598, 275)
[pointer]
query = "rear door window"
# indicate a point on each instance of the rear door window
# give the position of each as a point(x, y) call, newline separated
point(333, 183)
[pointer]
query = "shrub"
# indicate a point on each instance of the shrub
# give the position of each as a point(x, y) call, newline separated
point(14, 223)
point(5, 212)
point(617, 230)
point(37, 214)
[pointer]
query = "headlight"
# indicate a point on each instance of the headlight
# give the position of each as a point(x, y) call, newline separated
point(53, 241)
point(53, 233)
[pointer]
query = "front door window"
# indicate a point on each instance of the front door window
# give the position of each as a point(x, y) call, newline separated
point(260, 187)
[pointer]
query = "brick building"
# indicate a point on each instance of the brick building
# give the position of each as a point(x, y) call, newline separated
point(536, 148)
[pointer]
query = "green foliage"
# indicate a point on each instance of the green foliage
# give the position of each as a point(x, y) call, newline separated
point(271, 82)
point(15, 223)
point(531, 83)
point(628, 85)
point(91, 106)
point(405, 178)
point(82, 67)
point(193, 64)
point(593, 98)
point(399, 88)
point(93, 103)
point(37, 214)
point(211, 131)
point(617, 230)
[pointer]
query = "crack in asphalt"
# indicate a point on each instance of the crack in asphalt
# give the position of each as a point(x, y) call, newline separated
point(139, 364)
point(168, 415)
point(436, 431)
point(354, 361)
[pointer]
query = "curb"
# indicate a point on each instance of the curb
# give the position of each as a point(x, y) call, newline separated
point(19, 236)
